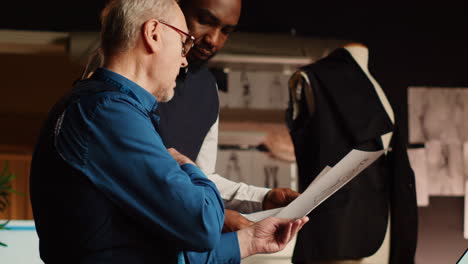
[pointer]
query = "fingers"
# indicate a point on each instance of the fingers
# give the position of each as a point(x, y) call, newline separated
point(288, 229)
point(181, 159)
point(293, 226)
point(273, 234)
point(298, 224)
point(284, 233)
point(172, 151)
point(289, 234)
point(279, 197)
point(291, 195)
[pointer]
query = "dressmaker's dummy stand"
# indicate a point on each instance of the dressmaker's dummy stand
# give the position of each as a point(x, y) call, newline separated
point(300, 85)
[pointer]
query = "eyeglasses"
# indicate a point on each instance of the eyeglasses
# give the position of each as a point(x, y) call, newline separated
point(189, 40)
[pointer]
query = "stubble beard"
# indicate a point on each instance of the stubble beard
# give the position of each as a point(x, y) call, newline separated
point(165, 95)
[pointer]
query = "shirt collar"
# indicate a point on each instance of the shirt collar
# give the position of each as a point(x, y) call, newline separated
point(129, 87)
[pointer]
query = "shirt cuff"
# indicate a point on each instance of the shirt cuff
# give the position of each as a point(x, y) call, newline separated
point(228, 250)
point(248, 202)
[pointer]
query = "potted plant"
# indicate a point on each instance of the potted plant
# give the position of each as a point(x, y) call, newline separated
point(5, 189)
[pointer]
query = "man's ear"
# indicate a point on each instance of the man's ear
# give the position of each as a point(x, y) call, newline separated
point(151, 35)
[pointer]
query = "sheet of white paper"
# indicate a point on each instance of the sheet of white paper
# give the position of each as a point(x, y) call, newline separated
point(259, 216)
point(322, 186)
point(323, 172)
point(344, 171)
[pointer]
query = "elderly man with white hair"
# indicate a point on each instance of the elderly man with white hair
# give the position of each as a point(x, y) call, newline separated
point(104, 189)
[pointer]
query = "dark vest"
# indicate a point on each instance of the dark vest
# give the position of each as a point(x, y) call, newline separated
point(352, 223)
point(187, 118)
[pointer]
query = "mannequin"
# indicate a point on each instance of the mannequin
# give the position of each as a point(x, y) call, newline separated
point(360, 53)
point(308, 103)
point(300, 82)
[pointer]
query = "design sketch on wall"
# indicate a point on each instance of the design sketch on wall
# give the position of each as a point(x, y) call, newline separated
point(255, 168)
point(438, 119)
point(246, 95)
point(438, 114)
point(271, 176)
point(233, 170)
point(445, 168)
point(256, 90)
point(276, 85)
point(417, 158)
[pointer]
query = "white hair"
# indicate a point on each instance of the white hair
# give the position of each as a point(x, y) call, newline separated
point(122, 20)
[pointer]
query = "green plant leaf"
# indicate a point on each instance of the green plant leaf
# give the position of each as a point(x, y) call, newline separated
point(5, 169)
point(5, 191)
point(3, 226)
point(6, 179)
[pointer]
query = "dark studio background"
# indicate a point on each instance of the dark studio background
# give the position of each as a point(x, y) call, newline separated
point(411, 44)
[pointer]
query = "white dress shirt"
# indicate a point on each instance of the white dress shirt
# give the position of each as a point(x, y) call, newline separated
point(236, 195)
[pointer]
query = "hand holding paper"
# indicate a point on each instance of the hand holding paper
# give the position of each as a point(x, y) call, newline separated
point(324, 185)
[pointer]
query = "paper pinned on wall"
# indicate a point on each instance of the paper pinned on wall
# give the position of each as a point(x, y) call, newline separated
point(329, 181)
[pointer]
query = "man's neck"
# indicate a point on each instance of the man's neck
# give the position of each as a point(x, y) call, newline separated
point(360, 53)
point(128, 67)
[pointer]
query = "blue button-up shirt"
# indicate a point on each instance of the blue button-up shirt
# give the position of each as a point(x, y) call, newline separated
point(109, 136)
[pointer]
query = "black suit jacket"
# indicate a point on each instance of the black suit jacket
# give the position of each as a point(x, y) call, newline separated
point(348, 115)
